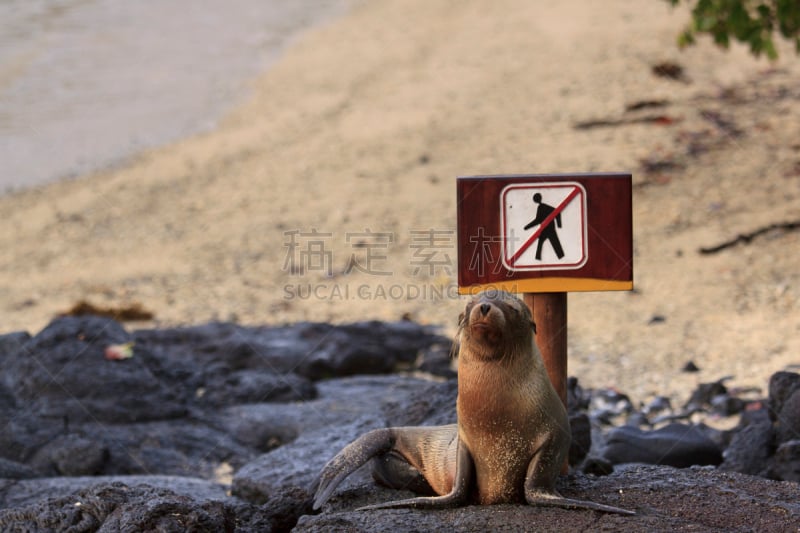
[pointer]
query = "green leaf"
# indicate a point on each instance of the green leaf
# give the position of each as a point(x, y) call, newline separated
point(704, 24)
point(753, 22)
point(756, 45)
point(686, 38)
point(721, 36)
point(738, 20)
point(769, 49)
point(764, 12)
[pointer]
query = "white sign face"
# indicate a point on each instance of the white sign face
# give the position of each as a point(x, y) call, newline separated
point(543, 226)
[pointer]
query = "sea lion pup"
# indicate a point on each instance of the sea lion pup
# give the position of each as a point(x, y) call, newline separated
point(512, 434)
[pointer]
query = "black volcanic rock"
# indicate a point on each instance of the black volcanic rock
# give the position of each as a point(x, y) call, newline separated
point(63, 374)
point(782, 386)
point(664, 498)
point(751, 446)
point(91, 444)
point(676, 444)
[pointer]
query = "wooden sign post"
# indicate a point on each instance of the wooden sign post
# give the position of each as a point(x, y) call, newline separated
point(545, 236)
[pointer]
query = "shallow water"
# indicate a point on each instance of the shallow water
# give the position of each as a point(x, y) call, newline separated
point(86, 83)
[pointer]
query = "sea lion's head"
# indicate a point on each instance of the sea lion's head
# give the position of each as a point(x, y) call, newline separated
point(495, 324)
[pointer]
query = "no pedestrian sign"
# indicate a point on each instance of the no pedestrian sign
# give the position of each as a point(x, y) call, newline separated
point(545, 233)
point(543, 226)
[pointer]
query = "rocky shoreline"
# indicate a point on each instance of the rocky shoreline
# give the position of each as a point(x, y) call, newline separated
point(221, 427)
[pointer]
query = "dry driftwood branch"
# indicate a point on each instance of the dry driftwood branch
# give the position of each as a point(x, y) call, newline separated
point(747, 237)
point(661, 120)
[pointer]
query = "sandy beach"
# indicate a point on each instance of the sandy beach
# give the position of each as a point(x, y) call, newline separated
point(350, 146)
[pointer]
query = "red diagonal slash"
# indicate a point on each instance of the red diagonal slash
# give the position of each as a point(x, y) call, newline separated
point(557, 211)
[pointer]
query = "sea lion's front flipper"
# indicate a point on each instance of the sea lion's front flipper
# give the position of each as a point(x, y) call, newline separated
point(464, 472)
point(553, 499)
point(541, 476)
point(348, 460)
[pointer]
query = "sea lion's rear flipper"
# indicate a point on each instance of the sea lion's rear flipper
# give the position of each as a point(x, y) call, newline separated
point(348, 460)
point(553, 499)
point(393, 470)
point(464, 472)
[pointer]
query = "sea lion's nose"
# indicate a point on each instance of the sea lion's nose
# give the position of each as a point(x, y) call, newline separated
point(485, 309)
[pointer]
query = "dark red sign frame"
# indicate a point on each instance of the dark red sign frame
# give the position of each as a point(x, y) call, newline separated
point(609, 236)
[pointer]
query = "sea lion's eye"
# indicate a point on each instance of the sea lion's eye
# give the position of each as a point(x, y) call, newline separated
point(516, 310)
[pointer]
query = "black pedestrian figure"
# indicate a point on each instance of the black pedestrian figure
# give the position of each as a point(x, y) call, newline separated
point(548, 233)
